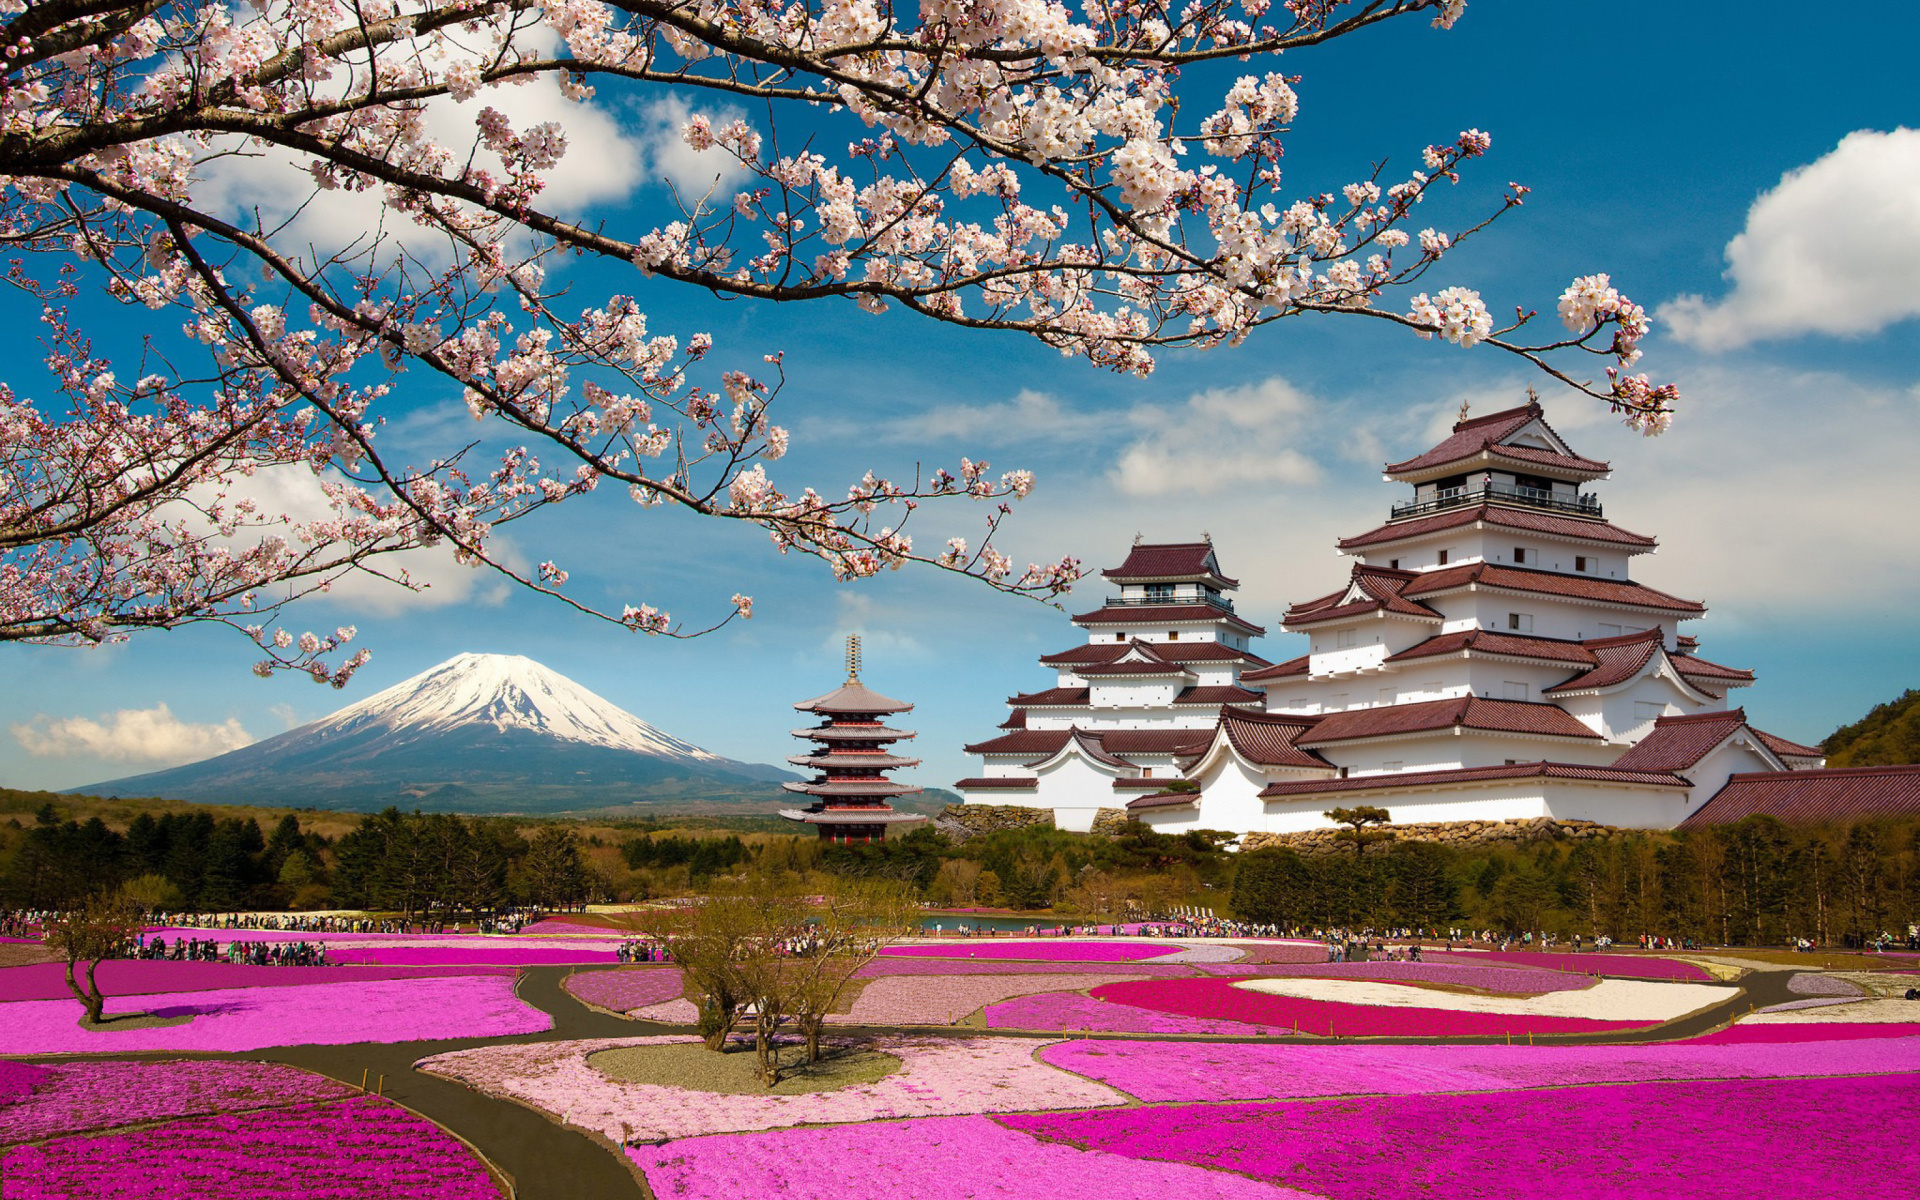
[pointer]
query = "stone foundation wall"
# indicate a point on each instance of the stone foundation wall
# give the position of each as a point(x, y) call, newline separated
point(1112, 822)
point(1450, 833)
point(962, 821)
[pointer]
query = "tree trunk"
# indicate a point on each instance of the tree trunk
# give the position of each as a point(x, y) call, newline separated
point(89, 996)
point(763, 1030)
point(811, 1024)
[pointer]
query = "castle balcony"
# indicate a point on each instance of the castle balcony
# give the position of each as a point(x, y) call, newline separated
point(1499, 493)
point(1155, 599)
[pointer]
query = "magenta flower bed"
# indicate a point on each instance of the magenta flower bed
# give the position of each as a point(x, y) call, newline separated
point(387, 1010)
point(17, 1080)
point(1723, 1140)
point(76, 1097)
point(1071, 1010)
point(139, 977)
point(627, 989)
point(1518, 981)
point(1218, 999)
point(549, 925)
point(882, 967)
point(506, 955)
point(1061, 951)
point(1809, 1032)
point(930, 1158)
point(1633, 966)
point(357, 1148)
point(1176, 1072)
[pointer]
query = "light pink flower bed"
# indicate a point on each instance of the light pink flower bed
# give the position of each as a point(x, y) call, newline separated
point(1509, 980)
point(883, 967)
point(940, 1077)
point(505, 955)
point(679, 1011)
point(933, 1000)
point(936, 1158)
point(1071, 1010)
point(387, 1010)
point(139, 977)
point(626, 989)
point(1178, 1072)
point(77, 1097)
point(1808, 1032)
point(1043, 951)
point(1282, 952)
point(1633, 966)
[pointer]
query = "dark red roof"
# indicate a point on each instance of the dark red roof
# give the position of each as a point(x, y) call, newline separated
point(1466, 712)
point(1676, 743)
point(1017, 719)
point(849, 731)
point(1786, 749)
point(1164, 614)
point(1041, 743)
point(1548, 583)
point(1431, 779)
point(1285, 670)
point(1140, 785)
point(1810, 797)
point(1470, 438)
point(1002, 781)
point(853, 697)
point(1171, 560)
point(1489, 641)
point(1023, 741)
point(1180, 652)
point(1218, 695)
point(1526, 519)
point(1164, 800)
point(1692, 664)
point(1381, 589)
point(1051, 698)
point(1616, 660)
point(1266, 739)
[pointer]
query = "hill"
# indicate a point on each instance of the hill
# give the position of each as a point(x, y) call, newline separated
point(1887, 736)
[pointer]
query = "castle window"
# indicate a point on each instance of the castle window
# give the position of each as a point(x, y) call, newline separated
point(1159, 593)
point(1514, 689)
point(1443, 557)
point(1520, 622)
point(1520, 554)
point(1173, 635)
point(1393, 564)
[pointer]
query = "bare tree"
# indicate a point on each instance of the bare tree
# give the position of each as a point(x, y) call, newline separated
point(101, 928)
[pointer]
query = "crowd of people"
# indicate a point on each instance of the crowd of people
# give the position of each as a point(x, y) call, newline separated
point(209, 950)
point(636, 950)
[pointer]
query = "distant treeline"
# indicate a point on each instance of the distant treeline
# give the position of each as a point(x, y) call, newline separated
point(1888, 735)
point(1757, 883)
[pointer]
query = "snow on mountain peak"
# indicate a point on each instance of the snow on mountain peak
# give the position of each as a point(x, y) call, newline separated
point(509, 691)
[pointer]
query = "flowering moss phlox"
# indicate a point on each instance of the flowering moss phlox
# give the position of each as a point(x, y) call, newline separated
point(76, 1097)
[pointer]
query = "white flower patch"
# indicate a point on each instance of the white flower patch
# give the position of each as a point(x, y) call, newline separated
point(1608, 1000)
point(1202, 953)
point(1862, 1012)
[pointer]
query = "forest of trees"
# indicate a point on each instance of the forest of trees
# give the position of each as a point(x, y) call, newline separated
point(1890, 734)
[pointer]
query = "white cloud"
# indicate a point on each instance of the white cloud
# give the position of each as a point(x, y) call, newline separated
point(149, 736)
point(693, 173)
point(1028, 415)
point(1834, 248)
point(1220, 438)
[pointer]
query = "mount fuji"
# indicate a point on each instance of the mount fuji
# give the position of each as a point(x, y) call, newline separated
point(478, 733)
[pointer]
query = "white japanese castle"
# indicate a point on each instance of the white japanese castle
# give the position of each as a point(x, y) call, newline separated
point(1489, 657)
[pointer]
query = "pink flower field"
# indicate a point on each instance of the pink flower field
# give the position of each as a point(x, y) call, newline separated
point(1632, 966)
point(502, 954)
point(933, 1000)
point(358, 1148)
point(1045, 951)
point(883, 967)
point(943, 1076)
point(1180, 1072)
point(385, 1010)
point(1810, 1032)
point(626, 989)
point(72, 1098)
point(140, 977)
point(1511, 980)
point(1218, 999)
point(1724, 1140)
point(938, 1158)
point(1071, 1010)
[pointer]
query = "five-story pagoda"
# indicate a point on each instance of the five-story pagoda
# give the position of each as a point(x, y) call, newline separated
point(852, 758)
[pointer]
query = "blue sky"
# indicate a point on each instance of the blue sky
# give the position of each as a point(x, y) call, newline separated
point(1653, 136)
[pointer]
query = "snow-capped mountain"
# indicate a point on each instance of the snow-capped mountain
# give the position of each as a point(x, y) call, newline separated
point(479, 732)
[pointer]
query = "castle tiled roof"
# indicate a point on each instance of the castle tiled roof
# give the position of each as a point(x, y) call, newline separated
point(1218, 695)
point(1525, 519)
point(1486, 434)
point(1164, 800)
point(1812, 797)
point(1285, 670)
point(1058, 697)
point(995, 782)
point(1380, 589)
point(1783, 748)
point(1043, 743)
point(1171, 560)
point(1547, 583)
point(1693, 666)
point(1165, 614)
point(1149, 668)
point(1180, 652)
point(1463, 712)
point(1489, 641)
point(1265, 739)
point(1293, 789)
point(1676, 743)
point(1615, 660)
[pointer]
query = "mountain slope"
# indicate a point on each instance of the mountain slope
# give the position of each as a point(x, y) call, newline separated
point(478, 733)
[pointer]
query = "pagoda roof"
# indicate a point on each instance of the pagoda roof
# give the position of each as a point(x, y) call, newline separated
point(1198, 612)
point(852, 787)
point(1293, 789)
point(1264, 739)
point(1677, 743)
point(1370, 589)
point(1813, 797)
point(1058, 697)
point(853, 697)
point(885, 762)
point(1488, 438)
point(1458, 712)
point(849, 816)
point(1178, 652)
point(1285, 670)
point(852, 733)
point(1624, 593)
point(988, 782)
point(1506, 645)
point(1220, 695)
point(1525, 519)
point(1170, 560)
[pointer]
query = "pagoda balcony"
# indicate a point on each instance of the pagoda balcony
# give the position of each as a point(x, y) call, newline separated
point(1220, 602)
point(1587, 505)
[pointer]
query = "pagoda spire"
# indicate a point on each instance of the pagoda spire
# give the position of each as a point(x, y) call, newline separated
point(853, 658)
